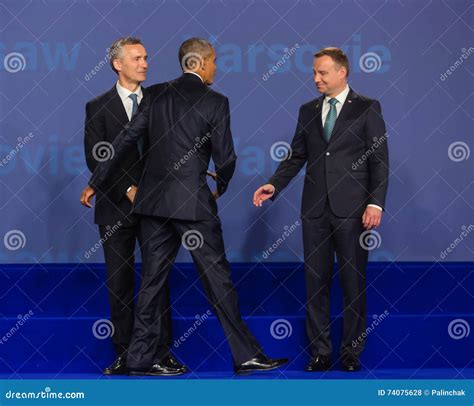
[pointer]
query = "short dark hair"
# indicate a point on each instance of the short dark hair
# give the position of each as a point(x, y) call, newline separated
point(337, 55)
point(193, 51)
point(115, 50)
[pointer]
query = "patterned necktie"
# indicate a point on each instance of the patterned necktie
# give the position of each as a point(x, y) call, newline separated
point(330, 119)
point(140, 144)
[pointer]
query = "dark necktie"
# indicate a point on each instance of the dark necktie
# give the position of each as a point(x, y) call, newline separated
point(141, 141)
point(330, 119)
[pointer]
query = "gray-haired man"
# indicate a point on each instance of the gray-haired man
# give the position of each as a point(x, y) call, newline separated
point(106, 115)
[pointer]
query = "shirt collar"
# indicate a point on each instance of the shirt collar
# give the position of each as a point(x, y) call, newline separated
point(341, 97)
point(124, 93)
point(194, 73)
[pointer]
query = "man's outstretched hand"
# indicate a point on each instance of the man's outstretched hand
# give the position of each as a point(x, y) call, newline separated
point(263, 193)
point(86, 196)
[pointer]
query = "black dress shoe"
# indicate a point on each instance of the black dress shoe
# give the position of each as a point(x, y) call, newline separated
point(158, 369)
point(170, 362)
point(318, 364)
point(118, 367)
point(351, 365)
point(260, 363)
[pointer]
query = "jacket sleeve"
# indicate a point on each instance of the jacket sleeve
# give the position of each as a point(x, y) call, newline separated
point(223, 153)
point(296, 159)
point(378, 162)
point(96, 148)
point(102, 177)
point(94, 132)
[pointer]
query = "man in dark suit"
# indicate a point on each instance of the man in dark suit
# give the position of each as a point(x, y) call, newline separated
point(341, 138)
point(187, 123)
point(106, 115)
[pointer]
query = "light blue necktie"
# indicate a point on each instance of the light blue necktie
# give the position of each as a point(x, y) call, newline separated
point(134, 98)
point(330, 119)
point(141, 141)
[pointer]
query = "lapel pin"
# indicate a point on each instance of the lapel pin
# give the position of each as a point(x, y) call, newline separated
point(349, 101)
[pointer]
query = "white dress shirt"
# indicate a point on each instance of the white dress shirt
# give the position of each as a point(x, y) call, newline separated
point(127, 101)
point(341, 98)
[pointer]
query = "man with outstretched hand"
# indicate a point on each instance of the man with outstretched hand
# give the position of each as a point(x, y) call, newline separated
point(187, 125)
point(341, 138)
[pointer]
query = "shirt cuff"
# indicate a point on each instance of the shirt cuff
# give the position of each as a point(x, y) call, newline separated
point(376, 206)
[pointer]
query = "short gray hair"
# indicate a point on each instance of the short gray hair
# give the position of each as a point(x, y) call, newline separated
point(192, 50)
point(115, 50)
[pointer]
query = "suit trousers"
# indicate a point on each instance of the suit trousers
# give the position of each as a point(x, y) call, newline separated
point(162, 238)
point(322, 238)
point(119, 253)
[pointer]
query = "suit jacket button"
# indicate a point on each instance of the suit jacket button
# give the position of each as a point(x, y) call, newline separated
point(328, 153)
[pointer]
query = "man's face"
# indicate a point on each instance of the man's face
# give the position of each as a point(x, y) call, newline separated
point(209, 68)
point(132, 64)
point(329, 78)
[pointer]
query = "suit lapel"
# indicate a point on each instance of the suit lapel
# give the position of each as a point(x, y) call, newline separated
point(345, 113)
point(319, 122)
point(116, 109)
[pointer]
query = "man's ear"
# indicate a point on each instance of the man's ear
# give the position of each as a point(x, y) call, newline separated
point(117, 64)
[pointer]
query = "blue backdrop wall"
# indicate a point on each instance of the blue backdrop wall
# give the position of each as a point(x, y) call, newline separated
point(53, 60)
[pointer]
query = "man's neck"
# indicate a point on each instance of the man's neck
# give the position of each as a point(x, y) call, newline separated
point(132, 86)
point(196, 74)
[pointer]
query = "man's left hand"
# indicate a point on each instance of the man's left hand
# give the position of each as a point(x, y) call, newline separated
point(213, 175)
point(371, 217)
point(86, 196)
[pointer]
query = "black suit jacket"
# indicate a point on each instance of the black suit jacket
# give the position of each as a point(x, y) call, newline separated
point(105, 119)
point(187, 123)
point(351, 170)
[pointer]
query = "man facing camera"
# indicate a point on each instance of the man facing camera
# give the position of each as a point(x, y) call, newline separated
point(187, 124)
point(343, 195)
point(106, 115)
